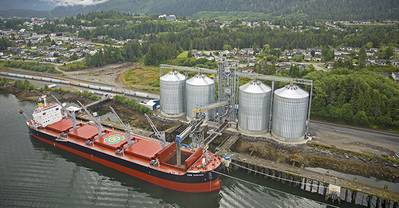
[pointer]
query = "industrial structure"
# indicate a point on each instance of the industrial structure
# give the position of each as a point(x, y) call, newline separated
point(254, 109)
point(172, 87)
point(200, 92)
point(290, 113)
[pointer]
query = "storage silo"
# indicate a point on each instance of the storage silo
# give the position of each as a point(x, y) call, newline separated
point(254, 108)
point(172, 87)
point(290, 108)
point(200, 92)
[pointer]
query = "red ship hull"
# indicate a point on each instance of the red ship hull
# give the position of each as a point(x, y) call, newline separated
point(187, 182)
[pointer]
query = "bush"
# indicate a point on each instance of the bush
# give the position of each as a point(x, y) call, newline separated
point(30, 65)
point(191, 62)
point(89, 95)
point(23, 85)
point(74, 66)
point(4, 82)
point(131, 103)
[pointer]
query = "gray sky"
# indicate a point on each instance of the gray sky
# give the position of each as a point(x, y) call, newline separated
point(74, 2)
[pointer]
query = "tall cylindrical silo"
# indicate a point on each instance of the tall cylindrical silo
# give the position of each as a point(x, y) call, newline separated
point(172, 86)
point(200, 92)
point(254, 108)
point(290, 107)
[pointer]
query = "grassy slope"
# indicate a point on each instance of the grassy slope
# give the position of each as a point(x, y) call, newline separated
point(142, 77)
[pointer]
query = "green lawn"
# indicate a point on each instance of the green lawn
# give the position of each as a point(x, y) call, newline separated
point(183, 55)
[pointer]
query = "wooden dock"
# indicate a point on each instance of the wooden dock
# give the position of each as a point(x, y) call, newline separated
point(310, 181)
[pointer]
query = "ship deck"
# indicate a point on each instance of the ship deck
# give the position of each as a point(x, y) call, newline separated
point(141, 152)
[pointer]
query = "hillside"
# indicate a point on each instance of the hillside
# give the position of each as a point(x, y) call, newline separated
point(305, 9)
point(314, 9)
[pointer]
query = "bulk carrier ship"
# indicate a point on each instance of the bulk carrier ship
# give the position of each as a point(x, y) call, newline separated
point(144, 158)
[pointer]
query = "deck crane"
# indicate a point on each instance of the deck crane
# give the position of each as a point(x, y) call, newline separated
point(96, 121)
point(159, 134)
point(127, 128)
point(194, 129)
point(71, 114)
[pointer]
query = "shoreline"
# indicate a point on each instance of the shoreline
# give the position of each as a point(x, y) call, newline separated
point(31, 95)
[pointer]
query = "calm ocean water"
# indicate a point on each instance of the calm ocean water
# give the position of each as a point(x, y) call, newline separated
point(33, 174)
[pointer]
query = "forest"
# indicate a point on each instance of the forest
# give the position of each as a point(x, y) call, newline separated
point(186, 35)
point(305, 9)
point(361, 97)
point(131, 52)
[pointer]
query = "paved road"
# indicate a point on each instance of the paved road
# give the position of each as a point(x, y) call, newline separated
point(354, 131)
point(354, 138)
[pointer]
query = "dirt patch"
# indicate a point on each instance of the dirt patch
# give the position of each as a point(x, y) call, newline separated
point(134, 118)
point(108, 75)
point(316, 155)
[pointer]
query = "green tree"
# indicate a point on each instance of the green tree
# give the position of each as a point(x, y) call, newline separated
point(361, 118)
point(159, 53)
point(294, 71)
point(327, 54)
point(360, 97)
point(133, 51)
point(385, 52)
point(369, 45)
point(362, 57)
point(4, 44)
point(227, 47)
point(346, 112)
point(265, 50)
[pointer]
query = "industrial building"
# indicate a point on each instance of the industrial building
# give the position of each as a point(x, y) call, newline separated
point(253, 109)
point(200, 92)
point(172, 87)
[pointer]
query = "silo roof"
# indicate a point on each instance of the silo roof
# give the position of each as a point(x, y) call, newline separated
point(255, 87)
point(291, 91)
point(200, 80)
point(173, 76)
